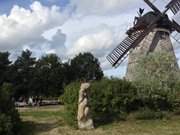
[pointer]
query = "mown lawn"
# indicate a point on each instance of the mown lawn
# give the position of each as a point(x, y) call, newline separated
point(49, 121)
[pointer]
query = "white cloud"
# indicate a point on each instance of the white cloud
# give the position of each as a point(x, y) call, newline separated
point(98, 32)
point(97, 43)
point(58, 44)
point(26, 26)
point(99, 36)
point(100, 41)
point(55, 45)
point(102, 7)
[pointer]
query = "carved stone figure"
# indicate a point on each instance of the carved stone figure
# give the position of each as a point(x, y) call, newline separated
point(84, 119)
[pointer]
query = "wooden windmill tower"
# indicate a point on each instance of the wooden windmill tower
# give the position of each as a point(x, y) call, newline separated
point(151, 32)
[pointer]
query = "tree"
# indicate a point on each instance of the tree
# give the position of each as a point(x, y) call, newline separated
point(4, 67)
point(9, 117)
point(68, 73)
point(24, 71)
point(86, 66)
point(49, 76)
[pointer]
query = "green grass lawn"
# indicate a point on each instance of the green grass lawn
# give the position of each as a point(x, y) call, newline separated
point(49, 121)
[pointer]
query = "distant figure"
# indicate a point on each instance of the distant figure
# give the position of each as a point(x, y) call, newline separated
point(30, 101)
point(36, 101)
point(20, 99)
point(40, 101)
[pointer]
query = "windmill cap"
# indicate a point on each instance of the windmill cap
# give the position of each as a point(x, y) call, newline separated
point(162, 30)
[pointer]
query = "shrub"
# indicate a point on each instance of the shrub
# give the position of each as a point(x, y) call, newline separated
point(156, 80)
point(148, 114)
point(112, 99)
point(70, 100)
point(156, 98)
point(9, 117)
point(5, 125)
point(61, 100)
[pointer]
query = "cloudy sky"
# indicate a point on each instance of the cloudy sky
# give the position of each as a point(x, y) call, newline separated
point(67, 27)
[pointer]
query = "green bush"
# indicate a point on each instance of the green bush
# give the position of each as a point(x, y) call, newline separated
point(112, 99)
point(61, 100)
point(6, 125)
point(156, 98)
point(70, 100)
point(109, 100)
point(157, 81)
point(9, 117)
point(148, 114)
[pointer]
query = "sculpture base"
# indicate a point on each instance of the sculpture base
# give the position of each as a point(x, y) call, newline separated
point(86, 125)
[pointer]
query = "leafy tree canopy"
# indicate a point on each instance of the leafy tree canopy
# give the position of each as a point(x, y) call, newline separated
point(86, 66)
point(4, 66)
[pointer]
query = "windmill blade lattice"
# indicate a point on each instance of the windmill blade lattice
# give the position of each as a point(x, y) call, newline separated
point(118, 55)
point(176, 37)
point(174, 6)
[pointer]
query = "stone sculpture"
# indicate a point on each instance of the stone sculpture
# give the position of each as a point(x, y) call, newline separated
point(84, 119)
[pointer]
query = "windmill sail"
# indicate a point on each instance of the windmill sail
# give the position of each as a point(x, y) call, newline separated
point(118, 55)
point(174, 6)
point(175, 25)
point(176, 37)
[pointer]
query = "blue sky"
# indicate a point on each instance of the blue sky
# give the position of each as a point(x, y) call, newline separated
point(68, 27)
point(6, 5)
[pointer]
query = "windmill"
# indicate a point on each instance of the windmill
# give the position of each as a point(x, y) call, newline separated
point(151, 32)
